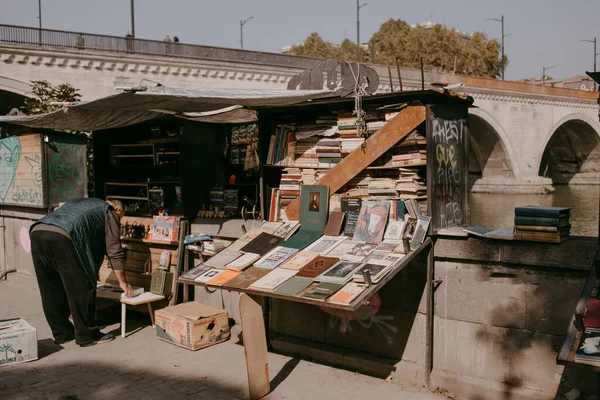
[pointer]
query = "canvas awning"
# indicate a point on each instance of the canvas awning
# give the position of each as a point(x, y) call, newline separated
point(146, 103)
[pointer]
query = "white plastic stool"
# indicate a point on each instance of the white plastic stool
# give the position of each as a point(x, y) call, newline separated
point(144, 298)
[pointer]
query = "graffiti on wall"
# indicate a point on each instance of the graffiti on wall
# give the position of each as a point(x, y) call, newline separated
point(66, 178)
point(21, 171)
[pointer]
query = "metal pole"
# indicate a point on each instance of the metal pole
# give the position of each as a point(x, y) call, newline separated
point(422, 74)
point(357, 31)
point(40, 17)
point(543, 76)
point(399, 75)
point(595, 55)
point(132, 19)
point(373, 53)
point(391, 81)
point(242, 34)
point(502, 61)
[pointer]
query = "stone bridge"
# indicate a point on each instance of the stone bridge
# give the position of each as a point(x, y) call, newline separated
point(524, 138)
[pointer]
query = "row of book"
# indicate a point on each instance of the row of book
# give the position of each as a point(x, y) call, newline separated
point(310, 257)
point(542, 224)
point(588, 349)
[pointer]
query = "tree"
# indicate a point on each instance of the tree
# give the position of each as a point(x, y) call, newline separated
point(440, 46)
point(46, 94)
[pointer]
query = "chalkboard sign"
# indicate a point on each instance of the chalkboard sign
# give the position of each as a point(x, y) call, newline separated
point(67, 173)
point(447, 170)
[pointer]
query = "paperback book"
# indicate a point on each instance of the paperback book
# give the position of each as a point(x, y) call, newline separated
point(298, 261)
point(262, 244)
point(325, 244)
point(273, 279)
point(223, 277)
point(223, 258)
point(589, 346)
point(275, 257)
point(208, 275)
point(340, 272)
point(322, 291)
point(246, 278)
point(194, 273)
point(286, 230)
point(293, 286)
point(371, 222)
point(317, 266)
point(243, 262)
point(351, 250)
point(351, 207)
point(348, 293)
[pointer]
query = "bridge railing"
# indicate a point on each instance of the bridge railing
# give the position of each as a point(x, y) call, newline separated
point(35, 37)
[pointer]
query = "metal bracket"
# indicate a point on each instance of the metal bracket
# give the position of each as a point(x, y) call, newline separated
point(367, 277)
point(437, 283)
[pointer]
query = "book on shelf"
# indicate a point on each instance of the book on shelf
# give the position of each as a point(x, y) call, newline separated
point(348, 293)
point(246, 278)
point(243, 262)
point(270, 281)
point(293, 286)
point(500, 234)
point(589, 346)
point(538, 211)
point(275, 257)
point(371, 222)
point(394, 230)
point(547, 237)
point(563, 230)
point(322, 291)
point(340, 272)
point(542, 221)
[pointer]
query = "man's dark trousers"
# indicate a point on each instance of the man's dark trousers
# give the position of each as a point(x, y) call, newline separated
point(64, 287)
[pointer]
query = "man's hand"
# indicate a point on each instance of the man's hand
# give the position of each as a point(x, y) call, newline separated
point(127, 289)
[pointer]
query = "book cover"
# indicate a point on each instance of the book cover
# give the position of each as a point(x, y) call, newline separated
point(242, 262)
point(270, 226)
point(348, 293)
point(293, 286)
point(589, 345)
point(246, 278)
point(302, 239)
point(325, 244)
point(420, 231)
point(538, 211)
point(351, 206)
point(542, 221)
point(208, 275)
point(394, 230)
point(223, 277)
point(548, 229)
point(194, 273)
point(298, 261)
point(377, 271)
point(317, 266)
point(476, 230)
point(273, 279)
point(501, 234)
point(223, 258)
point(286, 230)
point(322, 291)
point(314, 202)
point(546, 237)
point(275, 257)
point(371, 222)
point(387, 245)
point(334, 224)
point(262, 244)
point(352, 251)
point(245, 239)
point(592, 313)
point(340, 272)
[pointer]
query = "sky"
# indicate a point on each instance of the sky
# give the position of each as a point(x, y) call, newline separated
point(541, 32)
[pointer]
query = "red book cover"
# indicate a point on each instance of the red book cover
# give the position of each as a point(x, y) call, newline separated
point(592, 314)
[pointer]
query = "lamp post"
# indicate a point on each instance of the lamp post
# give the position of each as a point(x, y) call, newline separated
point(242, 23)
point(544, 69)
point(501, 20)
point(40, 18)
point(132, 6)
point(358, 7)
point(595, 54)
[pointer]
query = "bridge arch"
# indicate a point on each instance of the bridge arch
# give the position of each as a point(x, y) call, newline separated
point(571, 152)
point(490, 154)
point(12, 94)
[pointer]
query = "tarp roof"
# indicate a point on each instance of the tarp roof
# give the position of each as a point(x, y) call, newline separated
point(135, 106)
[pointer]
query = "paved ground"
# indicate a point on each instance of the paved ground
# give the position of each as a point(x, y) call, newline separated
point(143, 367)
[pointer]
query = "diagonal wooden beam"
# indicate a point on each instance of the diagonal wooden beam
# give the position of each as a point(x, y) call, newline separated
point(374, 147)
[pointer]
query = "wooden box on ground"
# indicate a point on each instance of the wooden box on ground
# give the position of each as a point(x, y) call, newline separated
point(192, 325)
point(18, 342)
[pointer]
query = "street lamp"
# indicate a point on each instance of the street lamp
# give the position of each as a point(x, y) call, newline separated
point(132, 19)
point(501, 20)
point(242, 23)
point(544, 69)
point(595, 54)
point(358, 7)
point(40, 18)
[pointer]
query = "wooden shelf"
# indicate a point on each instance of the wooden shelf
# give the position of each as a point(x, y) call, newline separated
point(148, 241)
point(133, 156)
point(132, 145)
point(356, 304)
point(127, 197)
point(168, 153)
point(125, 184)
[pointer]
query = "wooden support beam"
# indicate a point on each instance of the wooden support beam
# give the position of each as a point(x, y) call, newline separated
point(381, 141)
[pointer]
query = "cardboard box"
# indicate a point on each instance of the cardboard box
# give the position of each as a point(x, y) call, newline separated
point(192, 325)
point(18, 342)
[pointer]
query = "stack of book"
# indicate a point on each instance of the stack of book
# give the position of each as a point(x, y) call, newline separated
point(542, 224)
point(328, 152)
point(382, 188)
point(289, 188)
point(411, 183)
point(305, 154)
point(309, 176)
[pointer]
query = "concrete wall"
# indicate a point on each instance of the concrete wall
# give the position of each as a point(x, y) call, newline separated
point(501, 313)
point(15, 246)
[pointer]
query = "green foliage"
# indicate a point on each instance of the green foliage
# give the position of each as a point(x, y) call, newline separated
point(440, 47)
point(46, 94)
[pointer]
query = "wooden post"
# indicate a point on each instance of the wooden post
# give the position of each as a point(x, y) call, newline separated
point(381, 141)
point(429, 316)
point(255, 347)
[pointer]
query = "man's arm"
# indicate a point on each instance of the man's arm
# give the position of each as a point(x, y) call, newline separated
point(114, 251)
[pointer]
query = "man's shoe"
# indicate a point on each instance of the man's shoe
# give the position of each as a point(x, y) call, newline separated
point(99, 339)
point(63, 341)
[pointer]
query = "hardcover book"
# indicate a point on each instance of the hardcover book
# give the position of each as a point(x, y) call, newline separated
point(314, 202)
point(262, 244)
point(592, 313)
point(325, 244)
point(298, 261)
point(243, 262)
point(589, 346)
point(476, 230)
point(246, 278)
point(546, 237)
point(223, 258)
point(340, 272)
point(351, 250)
point(293, 286)
point(317, 266)
point(542, 221)
point(302, 239)
point(273, 279)
point(348, 293)
point(351, 206)
point(322, 291)
point(371, 222)
point(275, 257)
point(334, 224)
point(538, 211)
